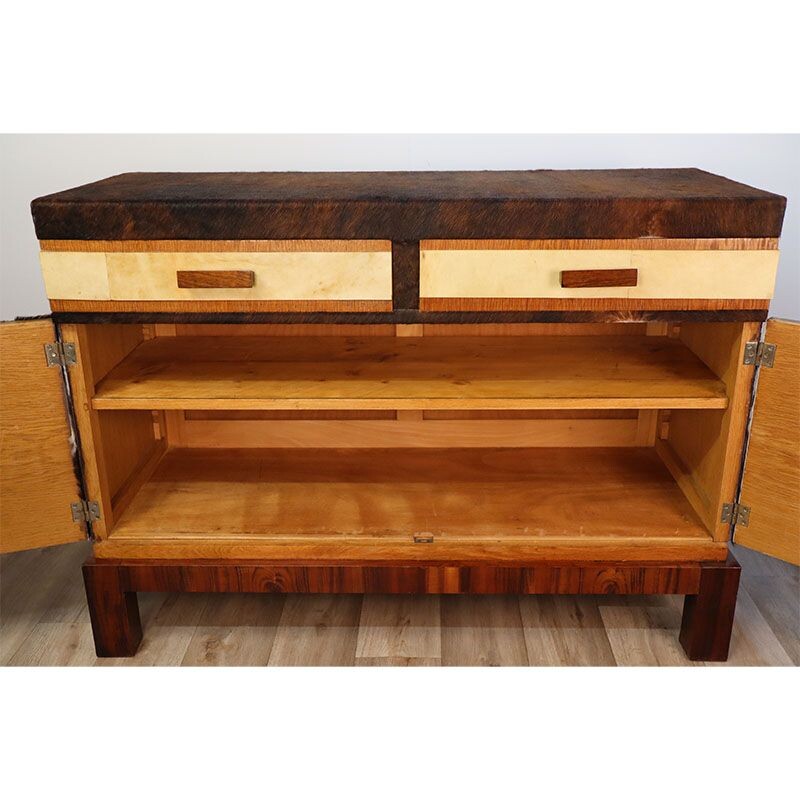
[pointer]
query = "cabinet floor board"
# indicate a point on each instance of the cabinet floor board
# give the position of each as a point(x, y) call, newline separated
point(331, 502)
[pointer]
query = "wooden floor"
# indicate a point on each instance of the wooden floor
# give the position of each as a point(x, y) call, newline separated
point(44, 621)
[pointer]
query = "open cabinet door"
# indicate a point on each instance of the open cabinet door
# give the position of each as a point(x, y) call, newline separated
point(771, 482)
point(38, 482)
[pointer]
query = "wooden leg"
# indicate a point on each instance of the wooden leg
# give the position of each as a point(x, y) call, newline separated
point(708, 616)
point(114, 612)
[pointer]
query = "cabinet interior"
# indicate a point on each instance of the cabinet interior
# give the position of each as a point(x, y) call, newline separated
point(595, 440)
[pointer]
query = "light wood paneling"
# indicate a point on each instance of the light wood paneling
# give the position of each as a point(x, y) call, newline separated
point(153, 276)
point(118, 450)
point(37, 478)
point(413, 373)
point(405, 433)
point(684, 274)
point(536, 329)
point(771, 484)
point(708, 446)
point(301, 329)
point(79, 276)
point(217, 306)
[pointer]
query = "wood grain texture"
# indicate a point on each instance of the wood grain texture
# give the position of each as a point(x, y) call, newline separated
point(349, 504)
point(152, 276)
point(680, 274)
point(564, 630)
point(243, 246)
point(413, 373)
point(117, 450)
point(710, 445)
point(409, 206)
point(593, 278)
point(404, 433)
point(399, 626)
point(616, 307)
point(482, 631)
point(235, 630)
point(204, 576)
point(218, 279)
point(771, 482)
point(317, 630)
point(37, 477)
point(650, 243)
point(44, 621)
point(114, 612)
point(708, 615)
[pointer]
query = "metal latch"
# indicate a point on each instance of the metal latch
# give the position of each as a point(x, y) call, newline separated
point(423, 538)
point(60, 354)
point(84, 511)
point(734, 512)
point(761, 353)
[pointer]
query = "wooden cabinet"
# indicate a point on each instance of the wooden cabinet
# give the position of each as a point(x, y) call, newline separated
point(326, 383)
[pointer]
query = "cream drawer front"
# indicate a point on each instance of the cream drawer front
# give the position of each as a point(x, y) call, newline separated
point(300, 275)
point(504, 273)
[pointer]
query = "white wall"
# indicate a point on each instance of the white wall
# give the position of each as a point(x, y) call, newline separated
point(33, 165)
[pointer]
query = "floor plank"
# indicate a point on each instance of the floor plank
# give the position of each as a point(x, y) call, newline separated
point(31, 584)
point(564, 631)
point(753, 642)
point(482, 630)
point(317, 630)
point(643, 632)
point(779, 603)
point(398, 661)
point(56, 644)
point(235, 630)
point(400, 626)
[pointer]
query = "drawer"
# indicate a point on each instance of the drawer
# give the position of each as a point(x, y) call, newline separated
point(499, 270)
point(287, 272)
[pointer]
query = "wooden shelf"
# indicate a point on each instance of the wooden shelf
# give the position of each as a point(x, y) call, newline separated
point(504, 504)
point(493, 373)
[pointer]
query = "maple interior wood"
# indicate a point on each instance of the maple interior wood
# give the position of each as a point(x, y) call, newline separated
point(608, 497)
point(417, 373)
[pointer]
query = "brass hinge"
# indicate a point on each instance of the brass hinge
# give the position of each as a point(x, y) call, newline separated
point(736, 513)
point(761, 353)
point(84, 511)
point(60, 354)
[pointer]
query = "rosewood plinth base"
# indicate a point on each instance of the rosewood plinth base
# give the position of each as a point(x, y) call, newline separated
point(710, 588)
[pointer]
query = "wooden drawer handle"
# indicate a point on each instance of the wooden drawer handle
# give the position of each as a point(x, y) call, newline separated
point(216, 279)
point(592, 278)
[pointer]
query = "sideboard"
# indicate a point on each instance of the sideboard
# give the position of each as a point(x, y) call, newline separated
point(433, 382)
